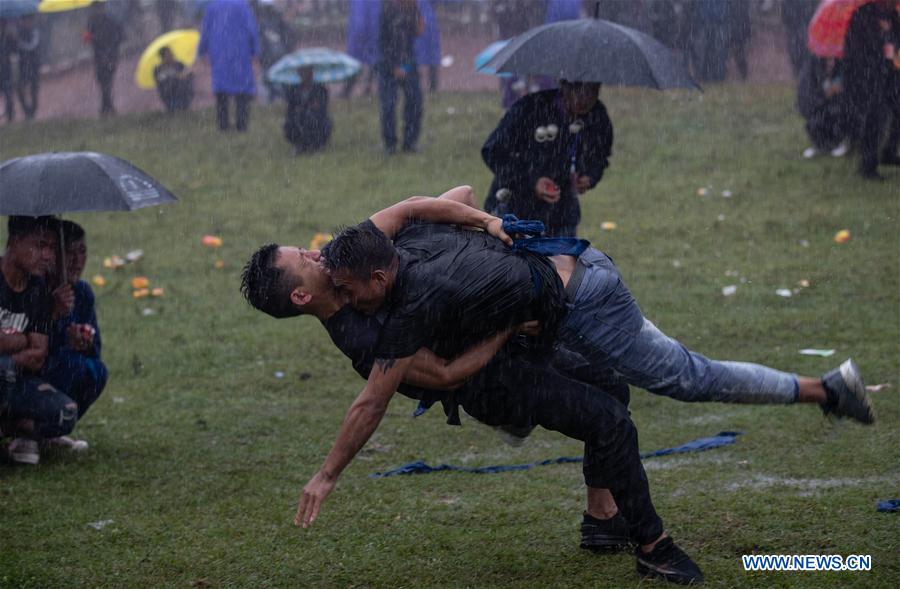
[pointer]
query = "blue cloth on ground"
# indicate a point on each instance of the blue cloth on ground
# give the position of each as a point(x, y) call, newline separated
point(545, 246)
point(888, 505)
point(420, 467)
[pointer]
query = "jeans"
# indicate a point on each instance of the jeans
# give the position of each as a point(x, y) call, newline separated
point(241, 107)
point(412, 107)
point(77, 376)
point(54, 414)
point(606, 326)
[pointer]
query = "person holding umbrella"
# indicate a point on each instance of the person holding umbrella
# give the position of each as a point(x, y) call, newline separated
point(74, 365)
point(30, 408)
point(548, 149)
point(104, 33)
point(306, 123)
point(174, 81)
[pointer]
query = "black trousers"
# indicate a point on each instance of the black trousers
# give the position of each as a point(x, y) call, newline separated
point(105, 69)
point(28, 88)
point(242, 110)
point(512, 391)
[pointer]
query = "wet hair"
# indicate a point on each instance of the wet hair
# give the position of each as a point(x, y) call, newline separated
point(163, 51)
point(21, 226)
point(266, 286)
point(72, 231)
point(361, 250)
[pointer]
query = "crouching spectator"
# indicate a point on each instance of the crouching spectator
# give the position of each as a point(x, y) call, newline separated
point(174, 82)
point(73, 364)
point(306, 123)
point(820, 100)
point(30, 408)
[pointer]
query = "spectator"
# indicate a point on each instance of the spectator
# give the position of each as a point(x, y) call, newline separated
point(514, 17)
point(428, 45)
point(104, 33)
point(820, 100)
point(710, 40)
point(165, 11)
point(892, 50)
point(548, 149)
point(230, 38)
point(7, 49)
point(34, 410)
point(738, 23)
point(867, 79)
point(795, 15)
point(306, 123)
point(73, 364)
point(362, 41)
point(400, 24)
point(275, 41)
point(174, 82)
point(28, 84)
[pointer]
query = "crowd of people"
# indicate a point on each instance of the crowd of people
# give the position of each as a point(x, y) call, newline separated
point(853, 102)
point(50, 344)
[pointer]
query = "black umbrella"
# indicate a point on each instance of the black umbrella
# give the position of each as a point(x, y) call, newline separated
point(56, 183)
point(593, 50)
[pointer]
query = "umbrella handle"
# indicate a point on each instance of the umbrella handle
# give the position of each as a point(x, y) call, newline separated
point(64, 278)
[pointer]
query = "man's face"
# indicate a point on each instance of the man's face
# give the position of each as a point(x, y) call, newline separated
point(579, 98)
point(76, 258)
point(305, 265)
point(35, 253)
point(366, 295)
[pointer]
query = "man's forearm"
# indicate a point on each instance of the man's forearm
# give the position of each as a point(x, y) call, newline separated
point(13, 343)
point(360, 423)
point(434, 210)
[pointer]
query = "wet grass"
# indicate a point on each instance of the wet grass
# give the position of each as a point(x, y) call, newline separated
point(198, 451)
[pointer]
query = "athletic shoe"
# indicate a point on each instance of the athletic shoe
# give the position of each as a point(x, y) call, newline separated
point(23, 451)
point(605, 535)
point(841, 150)
point(68, 443)
point(847, 396)
point(810, 152)
point(668, 561)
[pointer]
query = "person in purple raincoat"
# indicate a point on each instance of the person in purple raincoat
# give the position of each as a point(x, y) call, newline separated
point(230, 38)
point(362, 41)
point(428, 45)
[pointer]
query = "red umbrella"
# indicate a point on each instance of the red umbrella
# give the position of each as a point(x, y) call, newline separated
point(829, 25)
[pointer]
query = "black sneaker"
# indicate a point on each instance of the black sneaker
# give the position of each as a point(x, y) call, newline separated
point(605, 535)
point(847, 396)
point(668, 561)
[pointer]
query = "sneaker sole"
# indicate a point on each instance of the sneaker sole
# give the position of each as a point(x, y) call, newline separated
point(861, 405)
point(31, 459)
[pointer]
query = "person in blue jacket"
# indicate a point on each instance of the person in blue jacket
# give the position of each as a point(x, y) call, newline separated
point(73, 363)
point(428, 45)
point(229, 37)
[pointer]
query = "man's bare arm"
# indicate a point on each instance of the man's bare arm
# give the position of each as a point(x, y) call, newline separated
point(432, 372)
point(31, 359)
point(10, 343)
point(438, 210)
point(360, 423)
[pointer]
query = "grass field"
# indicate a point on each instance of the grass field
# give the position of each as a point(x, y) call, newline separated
point(198, 452)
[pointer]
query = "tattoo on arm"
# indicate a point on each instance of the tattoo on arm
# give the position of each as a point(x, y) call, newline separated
point(385, 363)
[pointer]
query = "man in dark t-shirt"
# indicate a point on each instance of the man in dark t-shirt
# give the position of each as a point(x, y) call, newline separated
point(30, 409)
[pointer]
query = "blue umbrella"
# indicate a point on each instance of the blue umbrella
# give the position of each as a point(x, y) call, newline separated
point(15, 8)
point(329, 66)
point(485, 56)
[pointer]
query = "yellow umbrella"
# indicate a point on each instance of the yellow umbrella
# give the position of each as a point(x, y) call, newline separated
point(63, 5)
point(183, 44)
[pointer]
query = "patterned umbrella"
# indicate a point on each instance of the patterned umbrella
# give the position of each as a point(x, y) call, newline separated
point(329, 66)
point(829, 25)
point(485, 56)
